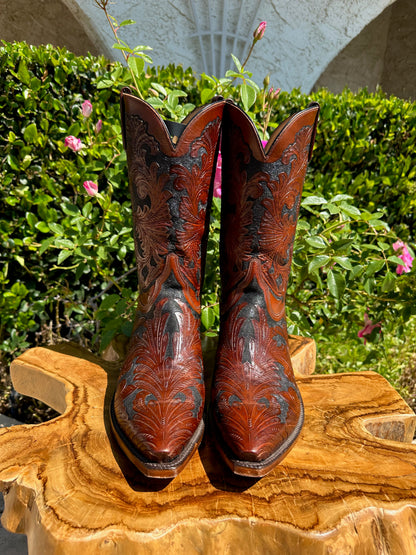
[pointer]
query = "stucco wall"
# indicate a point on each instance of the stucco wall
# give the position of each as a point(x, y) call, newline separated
point(384, 54)
point(43, 22)
point(301, 39)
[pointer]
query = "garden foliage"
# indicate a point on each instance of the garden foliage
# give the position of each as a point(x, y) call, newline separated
point(67, 254)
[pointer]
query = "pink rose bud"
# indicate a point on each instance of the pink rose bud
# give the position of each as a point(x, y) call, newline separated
point(73, 143)
point(368, 327)
point(274, 93)
point(86, 109)
point(405, 256)
point(91, 188)
point(259, 32)
point(98, 126)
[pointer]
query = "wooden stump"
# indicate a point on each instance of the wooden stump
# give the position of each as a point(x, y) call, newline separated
point(348, 485)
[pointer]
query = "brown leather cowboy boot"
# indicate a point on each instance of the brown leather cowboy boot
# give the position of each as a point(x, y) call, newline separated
point(157, 410)
point(257, 407)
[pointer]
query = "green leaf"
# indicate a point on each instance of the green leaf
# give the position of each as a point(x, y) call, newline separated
point(313, 200)
point(42, 226)
point(373, 267)
point(316, 242)
point(318, 262)
point(141, 47)
point(350, 210)
point(20, 260)
point(46, 244)
point(336, 284)
point(123, 47)
point(237, 62)
point(160, 89)
point(31, 219)
point(206, 95)
point(136, 65)
point(396, 260)
point(126, 22)
point(109, 302)
point(56, 228)
point(207, 317)
point(64, 243)
point(60, 75)
point(344, 262)
point(338, 198)
point(63, 255)
point(23, 73)
point(248, 96)
point(369, 285)
point(104, 84)
point(155, 102)
point(86, 209)
point(389, 282)
point(70, 209)
point(80, 270)
point(30, 134)
point(178, 93)
point(13, 162)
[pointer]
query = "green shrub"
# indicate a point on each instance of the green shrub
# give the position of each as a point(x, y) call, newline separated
point(67, 259)
point(365, 148)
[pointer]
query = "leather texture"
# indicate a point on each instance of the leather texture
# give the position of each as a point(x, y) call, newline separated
point(257, 407)
point(159, 400)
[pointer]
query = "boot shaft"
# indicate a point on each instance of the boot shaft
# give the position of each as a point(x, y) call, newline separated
point(170, 186)
point(261, 194)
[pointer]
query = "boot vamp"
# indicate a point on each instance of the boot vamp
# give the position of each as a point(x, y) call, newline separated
point(160, 395)
point(257, 402)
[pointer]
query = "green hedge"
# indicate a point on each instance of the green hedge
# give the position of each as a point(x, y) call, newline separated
point(66, 259)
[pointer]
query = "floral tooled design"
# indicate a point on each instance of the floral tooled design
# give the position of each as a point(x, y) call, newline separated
point(192, 210)
point(278, 226)
point(256, 398)
point(161, 390)
point(151, 217)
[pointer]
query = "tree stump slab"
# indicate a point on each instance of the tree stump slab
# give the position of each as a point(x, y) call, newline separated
point(348, 485)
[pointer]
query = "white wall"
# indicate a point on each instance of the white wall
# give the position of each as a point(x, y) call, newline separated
point(302, 36)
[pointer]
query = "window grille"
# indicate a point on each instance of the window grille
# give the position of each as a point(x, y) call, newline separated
point(223, 27)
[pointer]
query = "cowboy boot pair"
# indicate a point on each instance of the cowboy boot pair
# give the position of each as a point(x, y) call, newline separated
point(156, 414)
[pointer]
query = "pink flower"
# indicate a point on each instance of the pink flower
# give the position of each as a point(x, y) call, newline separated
point(259, 32)
point(368, 327)
point(217, 178)
point(73, 143)
point(98, 126)
point(91, 188)
point(86, 108)
point(403, 254)
point(274, 93)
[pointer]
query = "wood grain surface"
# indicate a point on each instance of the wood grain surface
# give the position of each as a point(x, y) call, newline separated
point(348, 485)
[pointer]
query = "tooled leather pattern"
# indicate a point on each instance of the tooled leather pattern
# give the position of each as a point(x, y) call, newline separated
point(159, 399)
point(257, 401)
